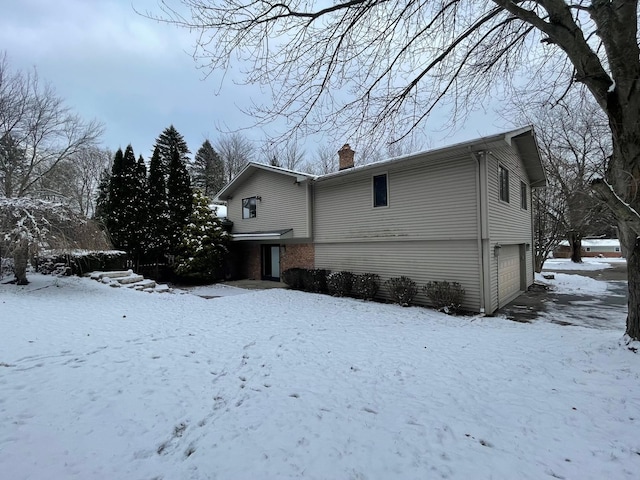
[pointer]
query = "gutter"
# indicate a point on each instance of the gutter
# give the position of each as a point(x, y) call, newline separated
point(480, 222)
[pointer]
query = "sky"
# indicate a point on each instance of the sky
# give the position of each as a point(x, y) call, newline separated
point(138, 76)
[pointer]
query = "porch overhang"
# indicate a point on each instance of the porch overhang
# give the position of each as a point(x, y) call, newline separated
point(263, 235)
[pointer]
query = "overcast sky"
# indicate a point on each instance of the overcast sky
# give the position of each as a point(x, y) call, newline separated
point(137, 76)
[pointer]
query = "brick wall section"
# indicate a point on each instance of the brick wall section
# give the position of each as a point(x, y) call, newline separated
point(301, 255)
point(253, 261)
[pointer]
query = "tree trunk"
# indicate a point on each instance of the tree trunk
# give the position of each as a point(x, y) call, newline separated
point(575, 242)
point(631, 242)
point(20, 257)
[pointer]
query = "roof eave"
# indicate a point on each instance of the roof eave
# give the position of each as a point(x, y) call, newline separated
point(227, 190)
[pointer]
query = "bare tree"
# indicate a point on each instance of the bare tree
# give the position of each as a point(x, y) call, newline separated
point(397, 61)
point(236, 151)
point(287, 155)
point(75, 180)
point(325, 160)
point(548, 212)
point(575, 147)
point(37, 131)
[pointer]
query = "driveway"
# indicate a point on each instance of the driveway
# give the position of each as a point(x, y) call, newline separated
point(607, 310)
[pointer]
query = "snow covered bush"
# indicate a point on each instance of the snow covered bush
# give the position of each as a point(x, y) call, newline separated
point(203, 248)
point(79, 262)
point(28, 225)
point(315, 280)
point(293, 277)
point(402, 290)
point(307, 279)
point(446, 297)
point(366, 285)
point(340, 284)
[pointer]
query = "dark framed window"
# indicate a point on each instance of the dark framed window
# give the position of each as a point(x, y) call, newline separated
point(249, 207)
point(380, 191)
point(523, 196)
point(503, 179)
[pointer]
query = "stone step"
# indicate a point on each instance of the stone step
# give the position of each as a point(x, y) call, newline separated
point(129, 279)
point(117, 274)
point(141, 285)
point(133, 278)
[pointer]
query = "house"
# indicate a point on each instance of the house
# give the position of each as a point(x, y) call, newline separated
point(592, 247)
point(460, 213)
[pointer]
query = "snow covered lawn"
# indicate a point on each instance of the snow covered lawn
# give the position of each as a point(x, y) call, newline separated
point(588, 263)
point(103, 383)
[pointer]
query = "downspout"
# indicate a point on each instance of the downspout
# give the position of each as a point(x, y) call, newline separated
point(479, 222)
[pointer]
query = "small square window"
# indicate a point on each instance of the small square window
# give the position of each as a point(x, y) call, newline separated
point(380, 191)
point(503, 179)
point(523, 195)
point(617, 249)
point(249, 207)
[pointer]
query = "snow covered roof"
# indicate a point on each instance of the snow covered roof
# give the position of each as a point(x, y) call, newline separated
point(523, 139)
point(250, 169)
point(264, 235)
point(596, 242)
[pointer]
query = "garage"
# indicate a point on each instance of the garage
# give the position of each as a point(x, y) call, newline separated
point(509, 276)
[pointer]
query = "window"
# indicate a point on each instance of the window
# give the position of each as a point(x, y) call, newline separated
point(617, 249)
point(380, 191)
point(503, 178)
point(523, 195)
point(249, 207)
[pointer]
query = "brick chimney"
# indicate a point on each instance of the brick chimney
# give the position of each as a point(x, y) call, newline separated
point(345, 154)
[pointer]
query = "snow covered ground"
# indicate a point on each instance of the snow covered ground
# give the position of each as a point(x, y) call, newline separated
point(588, 263)
point(104, 383)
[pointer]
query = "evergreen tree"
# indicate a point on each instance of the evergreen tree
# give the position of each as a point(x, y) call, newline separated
point(207, 170)
point(125, 207)
point(179, 196)
point(168, 140)
point(139, 207)
point(115, 199)
point(203, 247)
point(158, 226)
point(101, 212)
point(127, 214)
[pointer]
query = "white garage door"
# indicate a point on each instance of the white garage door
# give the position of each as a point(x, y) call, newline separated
point(508, 273)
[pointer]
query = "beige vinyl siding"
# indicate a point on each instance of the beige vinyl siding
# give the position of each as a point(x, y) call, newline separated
point(283, 204)
point(509, 224)
point(422, 261)
point(434, 200)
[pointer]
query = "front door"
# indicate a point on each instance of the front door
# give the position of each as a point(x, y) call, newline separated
point(271, 262)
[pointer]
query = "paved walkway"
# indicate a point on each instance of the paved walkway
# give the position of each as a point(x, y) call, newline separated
point(255, 284)
point(598, 311)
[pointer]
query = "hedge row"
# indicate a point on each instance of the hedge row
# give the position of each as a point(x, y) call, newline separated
point(445, 296)
point(340, 284)
point(79, 263)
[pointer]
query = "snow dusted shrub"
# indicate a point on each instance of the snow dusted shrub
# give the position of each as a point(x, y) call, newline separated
point(366, 285)
point(79, 262)
point(446, 297)
point(203, 247)
point(402, 290)
point(315, 280)
point(340, 284)
point(293, 278)
point(28, 225)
